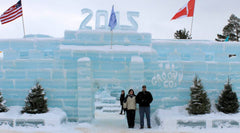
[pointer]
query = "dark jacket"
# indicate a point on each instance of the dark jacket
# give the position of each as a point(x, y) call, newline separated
point(144, 98)
point(122, 97)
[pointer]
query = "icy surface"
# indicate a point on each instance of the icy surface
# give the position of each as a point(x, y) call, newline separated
point(106, 48)
point(84, 59)
point(136, 59)
point(37, 36)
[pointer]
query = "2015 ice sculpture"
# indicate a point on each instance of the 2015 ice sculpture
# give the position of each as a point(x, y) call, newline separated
point(104, 14)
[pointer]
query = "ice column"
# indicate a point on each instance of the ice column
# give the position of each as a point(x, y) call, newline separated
point(85, 92)
point(136, 72)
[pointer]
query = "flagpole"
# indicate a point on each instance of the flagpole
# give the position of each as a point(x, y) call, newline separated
point(23, 27)
point(192, 19)
point(191, 27)
point(112, 23)
point(23, 21)
point(111, 38)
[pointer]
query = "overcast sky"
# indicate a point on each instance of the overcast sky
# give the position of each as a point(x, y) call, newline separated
point(53, 17)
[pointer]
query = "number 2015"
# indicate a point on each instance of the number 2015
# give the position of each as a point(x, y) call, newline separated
point(104, 14)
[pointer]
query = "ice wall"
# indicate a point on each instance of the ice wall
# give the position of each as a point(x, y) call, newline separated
point(94, 38)
point(179, 61)
point(26, 61)
point(71, 69)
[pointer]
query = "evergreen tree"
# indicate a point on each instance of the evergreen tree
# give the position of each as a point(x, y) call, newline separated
point(199, 103)
point(182, 34)
point(3, 108)
point(231, 30)
point(35, 101)
point(228, 101)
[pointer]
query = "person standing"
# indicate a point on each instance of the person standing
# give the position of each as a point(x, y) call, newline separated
point(144, 99)
point(130, 105)
point(122, 97)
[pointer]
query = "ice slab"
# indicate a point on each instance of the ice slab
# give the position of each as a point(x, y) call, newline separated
point(104, 37)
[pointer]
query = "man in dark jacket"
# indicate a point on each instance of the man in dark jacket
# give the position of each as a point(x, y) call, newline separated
point(122, 97)
point(144, 98)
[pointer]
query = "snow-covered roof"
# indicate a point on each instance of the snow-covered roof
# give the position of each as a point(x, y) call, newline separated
point(107, 48)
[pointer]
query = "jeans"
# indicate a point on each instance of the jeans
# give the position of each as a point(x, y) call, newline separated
point(145, 110)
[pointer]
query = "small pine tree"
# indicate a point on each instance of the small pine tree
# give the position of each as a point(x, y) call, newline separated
point(228, 101)
point(35, 102)
point(199, 103)
point(182, 34)
point(3, 108)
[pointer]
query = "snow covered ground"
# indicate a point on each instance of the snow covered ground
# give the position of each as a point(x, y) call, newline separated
point(54, 116)
point(177, 119)
point(47, 122)
point(106, 122)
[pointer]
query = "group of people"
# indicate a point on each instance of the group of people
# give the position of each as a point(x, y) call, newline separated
point(144, 99)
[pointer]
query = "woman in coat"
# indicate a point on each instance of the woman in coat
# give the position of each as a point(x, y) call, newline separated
point(130, 106)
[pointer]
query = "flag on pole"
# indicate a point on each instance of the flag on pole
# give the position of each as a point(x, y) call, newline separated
point(113, 19)
point(12, 13)
point(186, 11)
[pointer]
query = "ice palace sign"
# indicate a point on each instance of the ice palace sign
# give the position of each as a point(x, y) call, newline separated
point(73, 68)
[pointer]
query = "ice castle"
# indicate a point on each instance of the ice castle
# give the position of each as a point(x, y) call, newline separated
point(73, 68)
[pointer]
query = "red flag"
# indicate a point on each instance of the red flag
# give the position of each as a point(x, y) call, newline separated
point(12, 13)
point(186, 11)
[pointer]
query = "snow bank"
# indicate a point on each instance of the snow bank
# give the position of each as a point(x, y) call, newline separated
point(13, 117)
point(177, 118)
